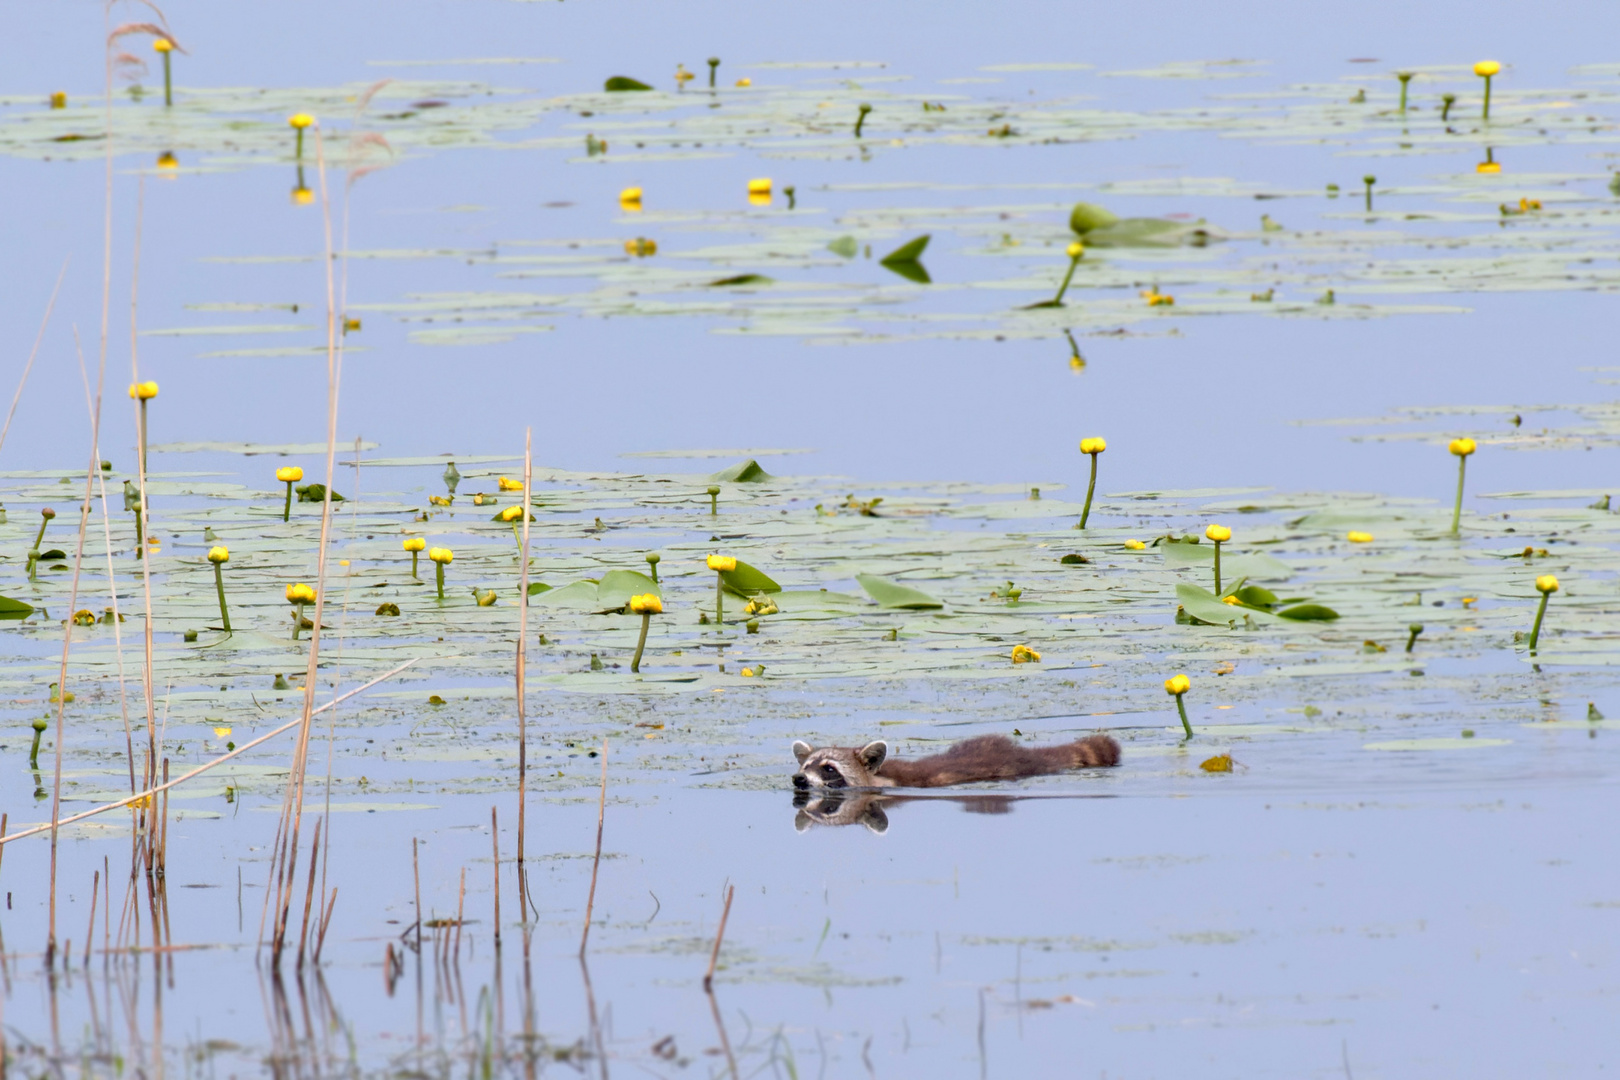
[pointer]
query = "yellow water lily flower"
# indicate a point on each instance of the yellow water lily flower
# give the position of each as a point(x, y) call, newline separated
point(1135, 545)
point(646, 604)
point(1359, 537)
point(508, 484)
point(1234, 601)
point(300, 121)
point(415, 543)
point(167, 162)
point(300, 594)
point(302, 196)
point(722, 563)
point(1486, 68)
point(1488, 168)
point(512, 513)
point(745, 81)
point(219, 554)
point(1218, 533)
point(59, 99)
point(1093, 446)
point(630, 199)
point(84, 617)
point(1546, 583)
point(162, 45)
point(289, 474)
point(222, 732)
point(442, 555)
point(641, 247)
point(1177, 685)
point(1023, 654)
point(759, 186)
point(1462, 447)
point(145, 391)
point(1076, 249)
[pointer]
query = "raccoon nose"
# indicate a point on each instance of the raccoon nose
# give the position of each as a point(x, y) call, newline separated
point(799, 781)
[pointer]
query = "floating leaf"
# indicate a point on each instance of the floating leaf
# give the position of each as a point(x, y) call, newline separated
point(1088, 216)
point(903, 260)
point(748, 581)
point(619, 83)
point(14, 609)
point(618, 586)
point(740, 279)
point(747, 472)
point(1205, 606)
point(538, 587)
point(1308, 613)
point(845, 246)
point(1255, 596)
point(891, 594)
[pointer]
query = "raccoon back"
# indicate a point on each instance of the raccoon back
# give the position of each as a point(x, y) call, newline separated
point(996, 757)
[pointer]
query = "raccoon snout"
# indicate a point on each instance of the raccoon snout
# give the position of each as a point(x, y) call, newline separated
point(800, 781)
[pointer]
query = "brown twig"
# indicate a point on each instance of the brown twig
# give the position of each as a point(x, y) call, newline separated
point(90, 931)
point(461, 906)
point(309, 893)
point(199, 770)
point(720, 1026)
point(714, 956)
point(326, 920)
point(416, 873)
point(590, 901)
point(43, 323)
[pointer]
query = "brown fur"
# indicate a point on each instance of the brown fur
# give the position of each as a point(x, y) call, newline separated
point(987, 757)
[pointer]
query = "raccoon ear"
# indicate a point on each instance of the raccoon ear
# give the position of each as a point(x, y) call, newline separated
point(872, 754)
point(801, 750)
point(802, 821)
point(875, 819)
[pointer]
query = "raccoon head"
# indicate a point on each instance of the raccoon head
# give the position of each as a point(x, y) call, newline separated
point(840, 766)
point(830, 807)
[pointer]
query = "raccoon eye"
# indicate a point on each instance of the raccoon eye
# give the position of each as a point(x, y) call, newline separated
point(830, 772)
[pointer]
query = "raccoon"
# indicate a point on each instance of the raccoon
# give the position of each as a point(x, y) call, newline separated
point(835, 807)
point(987, 757)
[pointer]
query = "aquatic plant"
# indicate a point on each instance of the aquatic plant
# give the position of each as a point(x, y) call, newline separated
point(39, 724)
point(714, 66)
point(298, 596)
point(759, 191)
point(163, 47)
point(653, 559)
point(1461, 448)
point(1177, 686)
point(1406, 78)
point(289, 475)
point(1486, 69)
point(442, 557)
point(1546, 585)
point(1092, 448)
point(298, 122)
point(1219, 534)
point(415, 545)
point(714, 499)
point(646, 605)
point(860, 118)
point(721, 565)
point(219, 555)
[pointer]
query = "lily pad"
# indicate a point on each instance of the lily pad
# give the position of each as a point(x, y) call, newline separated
point(747, 472)
point(621, 83)
point(748, 580)
point(14, 609)
point(891, 594)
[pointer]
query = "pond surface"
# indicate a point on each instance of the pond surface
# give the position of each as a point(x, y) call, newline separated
point(1407, 871)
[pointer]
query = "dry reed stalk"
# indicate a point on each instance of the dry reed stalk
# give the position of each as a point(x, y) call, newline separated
point(522, 665)
point(91, 471)
point(3, 819)
point(461, 906)
point(326, 920)
point(49, 307)
point(163, 839)
point(714, 956)
point(495, 848)
point(199, 770)
point(112, 581)
point(295, 779)
point(416, 873)
point(309, 893)
point(590, 901)
point(725, 1042)
point(140, 464)
point(106, 906)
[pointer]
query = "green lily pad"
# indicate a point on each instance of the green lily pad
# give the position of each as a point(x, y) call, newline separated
point(740, 279)
point(620, 83)
point(1206, 607)
point(1086, 217)
point(845, 246)
point(14, 609)
point(905, 260)
point(747, 472)
point(891, 594)
point(748, 581)
point(1308, 613)
point(618, 586)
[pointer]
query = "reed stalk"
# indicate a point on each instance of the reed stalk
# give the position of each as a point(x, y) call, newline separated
point(596, 863)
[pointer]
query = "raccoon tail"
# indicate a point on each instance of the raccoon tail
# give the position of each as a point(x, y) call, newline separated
point(1094, 751)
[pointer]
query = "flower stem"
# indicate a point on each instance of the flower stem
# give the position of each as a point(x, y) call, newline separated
point(1456, 512)
point(219, 585)
point(286, 507)
point(168, 84)
point(40, 536)
point(641, 643)
point(439, 568)
point(413, 567)
point(143, 442)
point(719, 592)
point(1182, 709)
point(1535, 631)
point(33, 564)
point(714, 499)
point(1068, 277)
point(298, 151)
point(140, 536)
point(1085, 511)
point(298, 620)
point(1487, 113)
point(1217, 569)
point(864, 109)
point(33, 754)
point(1412, 635)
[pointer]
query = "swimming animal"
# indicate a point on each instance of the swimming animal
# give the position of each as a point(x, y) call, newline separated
point(987, 757)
